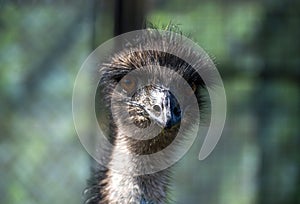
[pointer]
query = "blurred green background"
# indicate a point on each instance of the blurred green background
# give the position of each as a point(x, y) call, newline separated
point(256, 47)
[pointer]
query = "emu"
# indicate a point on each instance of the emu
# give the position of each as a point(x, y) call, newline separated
point(150, 104)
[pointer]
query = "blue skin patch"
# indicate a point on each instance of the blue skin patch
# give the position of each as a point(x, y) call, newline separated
point(144, 201)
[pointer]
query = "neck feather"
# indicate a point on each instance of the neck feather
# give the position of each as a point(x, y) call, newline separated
point(125, 186)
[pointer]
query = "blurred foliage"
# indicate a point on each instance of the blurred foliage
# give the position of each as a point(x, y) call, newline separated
point(42, 47)
point(255, 46)
point(216, 27)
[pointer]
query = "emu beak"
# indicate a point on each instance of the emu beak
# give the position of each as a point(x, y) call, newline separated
point(166, 110)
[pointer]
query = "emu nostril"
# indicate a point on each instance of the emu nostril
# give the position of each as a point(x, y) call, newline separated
point(156, 108)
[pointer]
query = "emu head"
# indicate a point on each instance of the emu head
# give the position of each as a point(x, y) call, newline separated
point(148, 93)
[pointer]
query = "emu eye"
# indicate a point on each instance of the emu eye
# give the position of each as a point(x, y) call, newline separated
point(191, 92)
point(128, 83)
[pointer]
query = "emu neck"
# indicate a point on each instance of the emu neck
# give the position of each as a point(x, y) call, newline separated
point(123, 185)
